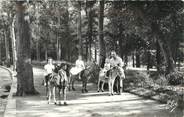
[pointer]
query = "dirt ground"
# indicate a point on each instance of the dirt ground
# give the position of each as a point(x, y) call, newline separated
point(5, 80)
point(91, 104)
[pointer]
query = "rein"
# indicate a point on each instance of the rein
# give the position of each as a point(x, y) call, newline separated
point(113, 69)
point(90, 71)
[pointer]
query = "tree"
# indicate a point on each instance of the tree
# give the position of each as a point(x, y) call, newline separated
point(14, 50)
point(101, 35)
point(25, 83)
point(91, 25)
point(79, 33)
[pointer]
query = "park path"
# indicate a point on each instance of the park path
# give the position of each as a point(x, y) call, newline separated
point(90, 104)
point(5, 79)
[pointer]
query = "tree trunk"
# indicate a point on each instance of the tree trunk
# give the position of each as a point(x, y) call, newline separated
point(101, 36)
point(133, 60)
point(165, 49)
point(57, 46)
point(59, 50)
point(87, 49)
point(37, 50)
point(90, 27)
point(137, 59)
point(7, 49)
point(14, 44)
point(46, 45)
point(126, 59)
point(95, 51)
point(120, 46)
point(158, 56)
point(25, 82)
point(148, 59)
point(46, 52)
point(79, 35)
point(0, 51)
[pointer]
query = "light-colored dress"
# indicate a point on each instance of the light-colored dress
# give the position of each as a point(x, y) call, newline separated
point(79, 66)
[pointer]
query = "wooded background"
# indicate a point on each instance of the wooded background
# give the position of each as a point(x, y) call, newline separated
point(148, 33)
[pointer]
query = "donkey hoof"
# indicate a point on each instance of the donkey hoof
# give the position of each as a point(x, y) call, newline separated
point(60, 104)
point(98, 91)
point(86, 90)
point(102, 90)
point(65, 104)
point(55, 103)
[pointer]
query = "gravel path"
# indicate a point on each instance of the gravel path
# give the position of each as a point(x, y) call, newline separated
point(90, 104)
point(5, 79)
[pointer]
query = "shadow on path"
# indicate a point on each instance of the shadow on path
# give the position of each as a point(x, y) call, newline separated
point(92, 104)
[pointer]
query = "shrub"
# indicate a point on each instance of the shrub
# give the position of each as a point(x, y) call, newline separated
point(175, 78)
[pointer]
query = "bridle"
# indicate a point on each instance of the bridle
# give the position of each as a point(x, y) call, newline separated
point(113, 69)
point(91, 69)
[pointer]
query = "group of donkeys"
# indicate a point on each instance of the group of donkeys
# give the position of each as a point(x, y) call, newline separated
point(61, 79)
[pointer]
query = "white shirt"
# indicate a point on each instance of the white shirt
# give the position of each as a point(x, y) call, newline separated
point(107, 64)
point(116, 62)
point(80, 64)
point(49, 68)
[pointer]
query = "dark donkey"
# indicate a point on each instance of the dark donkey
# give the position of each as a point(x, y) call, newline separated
point(90, 71)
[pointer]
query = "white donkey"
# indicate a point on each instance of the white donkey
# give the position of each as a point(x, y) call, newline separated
point(102, 78)
point(58, 80)
point(114, 73)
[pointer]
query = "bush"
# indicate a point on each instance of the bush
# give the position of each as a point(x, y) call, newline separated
point(175, 78)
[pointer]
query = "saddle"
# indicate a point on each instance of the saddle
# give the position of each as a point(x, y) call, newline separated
point(63, 75)
point(53, 79)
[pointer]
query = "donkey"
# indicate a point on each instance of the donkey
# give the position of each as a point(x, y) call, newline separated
point(102, 78)
point(114, 74)
point(86, 74)
point(58, 80)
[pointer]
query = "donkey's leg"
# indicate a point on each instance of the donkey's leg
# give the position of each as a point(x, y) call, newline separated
point(59, 96)
point(112, 86)
point(109, 82)
point(54, 94)
point(98, 85)
point(82, 86)
point(49, 94)
point(121, 85)
point(102, 87)
point(64, 94)
point(85, 85)
point(116, 83)
point(73, 80)
point(69, 83)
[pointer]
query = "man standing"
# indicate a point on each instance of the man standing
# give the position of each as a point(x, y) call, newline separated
point(116, 61)
point(49, 67)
